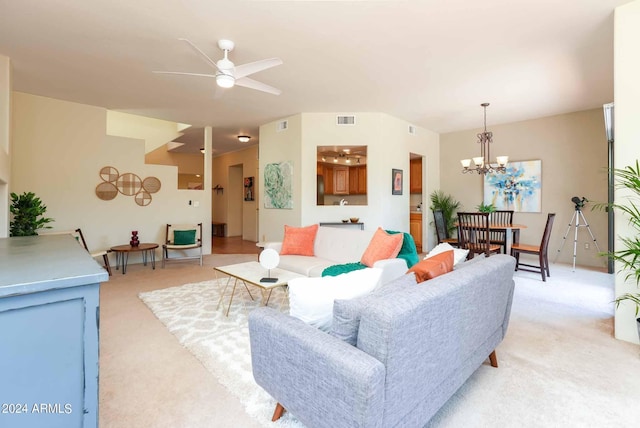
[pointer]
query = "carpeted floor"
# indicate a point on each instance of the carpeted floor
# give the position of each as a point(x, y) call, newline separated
point(559, 365)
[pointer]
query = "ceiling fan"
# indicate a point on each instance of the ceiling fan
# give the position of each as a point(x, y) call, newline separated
point(227, 74)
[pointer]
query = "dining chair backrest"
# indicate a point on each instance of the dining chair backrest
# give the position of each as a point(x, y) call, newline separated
point(499, 236)
point(441, 226)
point(502, 217)
point(544, 244)
point(473, 232)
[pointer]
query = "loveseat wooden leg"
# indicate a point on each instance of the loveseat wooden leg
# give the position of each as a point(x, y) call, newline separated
point(493, 359)
point(278, 412)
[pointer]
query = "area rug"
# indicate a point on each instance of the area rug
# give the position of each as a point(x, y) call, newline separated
point(221, 343)
point(559, 364)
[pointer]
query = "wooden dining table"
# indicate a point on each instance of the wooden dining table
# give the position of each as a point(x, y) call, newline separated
point(508, 228)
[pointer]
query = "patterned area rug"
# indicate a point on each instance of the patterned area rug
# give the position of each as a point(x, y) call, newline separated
point(221, 343)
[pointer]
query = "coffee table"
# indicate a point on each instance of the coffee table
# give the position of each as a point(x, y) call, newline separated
point(122, 254)
point(250, 273)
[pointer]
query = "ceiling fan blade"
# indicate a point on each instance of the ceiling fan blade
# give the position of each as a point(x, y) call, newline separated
point(254, 84)
point(253, 67)
point(202, 54)
point(184, 73)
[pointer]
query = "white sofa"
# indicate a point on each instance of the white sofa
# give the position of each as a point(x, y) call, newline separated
point(337, 246)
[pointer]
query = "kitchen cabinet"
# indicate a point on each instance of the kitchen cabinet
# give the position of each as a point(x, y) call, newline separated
point(328, 179)
point(415, 229)
point(341, 180)
point(358, 180)
point(415, 175)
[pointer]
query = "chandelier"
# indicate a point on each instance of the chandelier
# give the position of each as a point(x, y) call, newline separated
point(482, 164)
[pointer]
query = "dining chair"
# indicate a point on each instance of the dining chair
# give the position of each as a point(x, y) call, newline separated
point(442, 231)
point(182, 238)
point(499, 236)
point(541, 251)
point(473, 234)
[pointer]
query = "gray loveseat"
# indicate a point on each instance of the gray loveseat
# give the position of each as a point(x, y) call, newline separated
point(415, 345)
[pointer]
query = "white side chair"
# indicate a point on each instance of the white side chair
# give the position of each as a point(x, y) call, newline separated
point(180, 238)
point(80, 238)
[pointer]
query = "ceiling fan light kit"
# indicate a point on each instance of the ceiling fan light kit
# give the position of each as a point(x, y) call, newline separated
point(225, 81)
point(482, 164)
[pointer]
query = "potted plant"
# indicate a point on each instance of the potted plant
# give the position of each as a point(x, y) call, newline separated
point(28, 211)
point(486, 208)
point(449, 207)
point(629, 256)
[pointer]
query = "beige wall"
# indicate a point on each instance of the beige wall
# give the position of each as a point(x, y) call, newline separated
point(627, 138)
point(154, 132)
point(58, 150)
point(388, 146)
point(573, 150)
point(229, 206)
point(5, 138)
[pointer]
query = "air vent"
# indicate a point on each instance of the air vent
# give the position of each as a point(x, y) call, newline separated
point(412, 130)
point(282, 125)
point(345, 120)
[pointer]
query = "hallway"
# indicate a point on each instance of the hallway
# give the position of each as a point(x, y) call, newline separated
point(233, 245)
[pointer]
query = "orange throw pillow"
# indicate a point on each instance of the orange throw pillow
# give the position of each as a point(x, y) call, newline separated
point(433, 266)
point(382, 246)
point(299, 240)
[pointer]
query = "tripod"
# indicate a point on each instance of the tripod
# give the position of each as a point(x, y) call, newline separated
point(577, 215)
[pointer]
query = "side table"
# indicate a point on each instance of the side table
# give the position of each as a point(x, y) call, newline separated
point(122, 254)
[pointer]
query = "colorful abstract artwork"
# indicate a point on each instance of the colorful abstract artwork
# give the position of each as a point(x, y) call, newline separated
point(278, 187)
point(519, 189)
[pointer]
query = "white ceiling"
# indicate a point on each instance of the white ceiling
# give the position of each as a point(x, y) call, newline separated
point(430, 62)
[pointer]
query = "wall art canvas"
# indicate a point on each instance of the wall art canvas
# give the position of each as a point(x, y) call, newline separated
point(519, 189)
point(248, 189)
point(396, 181)
point(278, 188)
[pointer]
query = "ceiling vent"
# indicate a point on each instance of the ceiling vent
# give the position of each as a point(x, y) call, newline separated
point(345, 120)
point(283, 125)
point(412, 130)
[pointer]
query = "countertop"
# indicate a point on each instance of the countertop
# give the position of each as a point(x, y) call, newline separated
point(30, 264)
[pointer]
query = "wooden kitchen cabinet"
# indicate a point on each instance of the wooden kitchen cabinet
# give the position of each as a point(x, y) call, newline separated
point(362, 180)
point(341, 180)
point(328, 179)
point(358, 180)
point(415, 175)
point(415, 229)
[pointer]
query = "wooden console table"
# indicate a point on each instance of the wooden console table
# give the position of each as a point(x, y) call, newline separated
point(218, 228)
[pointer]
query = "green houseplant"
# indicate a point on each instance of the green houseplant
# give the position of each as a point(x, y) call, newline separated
point(486, 208)
point(449, 207)
point(28, 215)
point(629, 256)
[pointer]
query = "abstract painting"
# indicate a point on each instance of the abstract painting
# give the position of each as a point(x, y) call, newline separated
point(278, 178)
point(519, 189)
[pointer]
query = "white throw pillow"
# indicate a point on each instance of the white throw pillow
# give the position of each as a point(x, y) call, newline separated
point(459, 255)
point(311, 299)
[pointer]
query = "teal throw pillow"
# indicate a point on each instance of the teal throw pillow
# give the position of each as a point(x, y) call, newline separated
point(408, 252)
point(184, 237)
